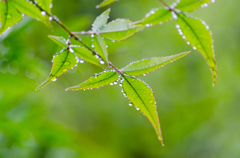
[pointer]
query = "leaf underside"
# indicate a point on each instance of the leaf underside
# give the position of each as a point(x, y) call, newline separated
point(119, 29)
point(86, 55)
point(29, 9)
point(148, 65)
point(105, 3)
point(199, 36)
point(142, 97)
point(59, 40)
point(8, 16)
point(100, 80)
point(61, 64)
point(190, 5)
point(100, 47)
point(157, 16)
point(101, 20)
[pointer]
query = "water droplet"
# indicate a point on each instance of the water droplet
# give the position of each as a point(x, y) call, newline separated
point(177, 26)
point(130, 104)
point(115, 82)
point(64, 70)
point(102, 62)
point(81, 61)
point(133, 80)
point(174, 16)
point(111, 84)
point(43, 13)
point(55, 79)
point(92, 35)
point(51, 5)
point(150, 101)
point(50, 18)
point(188, 43)
point(194, 48)
point(96, 56)
point(71, 50)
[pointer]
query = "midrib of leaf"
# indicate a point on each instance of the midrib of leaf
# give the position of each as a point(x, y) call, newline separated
point(104, 79)
point(143, 104)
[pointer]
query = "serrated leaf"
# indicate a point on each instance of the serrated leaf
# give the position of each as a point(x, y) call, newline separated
point(100, 47)
point(148, 65)
point(157, 16)
point(191, 5)
point(59, 40)
point(8, 16)
point(142, 97)
point(199, 36)
point(87, 55)
point(119, 29)
point(101, 20)
point(45, 5)
point(99, 80)
point(105, 3)
point(31, 10)
point(61, 64)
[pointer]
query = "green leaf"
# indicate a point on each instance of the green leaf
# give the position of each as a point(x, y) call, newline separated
point(148, 65)
point(99, 80)
point(157, 16)
point(142, 97)
point(119, 29)
point(59, 40)
point(199, 36)
point(191, 5)
point(31, 10)
point(8, 16)
point(100, 47)
point(87, 55)
point(81, 52)
point(61, 64)
point(105, 3)
point(45, 5)
point(101, 20)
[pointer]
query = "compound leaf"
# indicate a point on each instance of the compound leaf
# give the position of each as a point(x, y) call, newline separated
point(197, 33)
point(61, 64)
point(59, 40)
point(105, 3)
point(156, 16)
point(101, 20)
point(8, 16)
point(100, 47)
point(191, 5)
point(142, 97)
point(31, 10)
point(148, 65)
point(99, 80)
point(119, 29)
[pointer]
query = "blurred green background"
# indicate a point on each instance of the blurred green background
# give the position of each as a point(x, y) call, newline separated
point(197, 120)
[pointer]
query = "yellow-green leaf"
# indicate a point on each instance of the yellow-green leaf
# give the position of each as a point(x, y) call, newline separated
point(105, 3)
point(156, 16)
point(59, 40)
point(142, 97)
point(31, 10)
point(100, 47)
point(148, 65)
point(61, 64)
point(8, 15)
point(197, 33)
point(191, 5)
point(99, 80)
